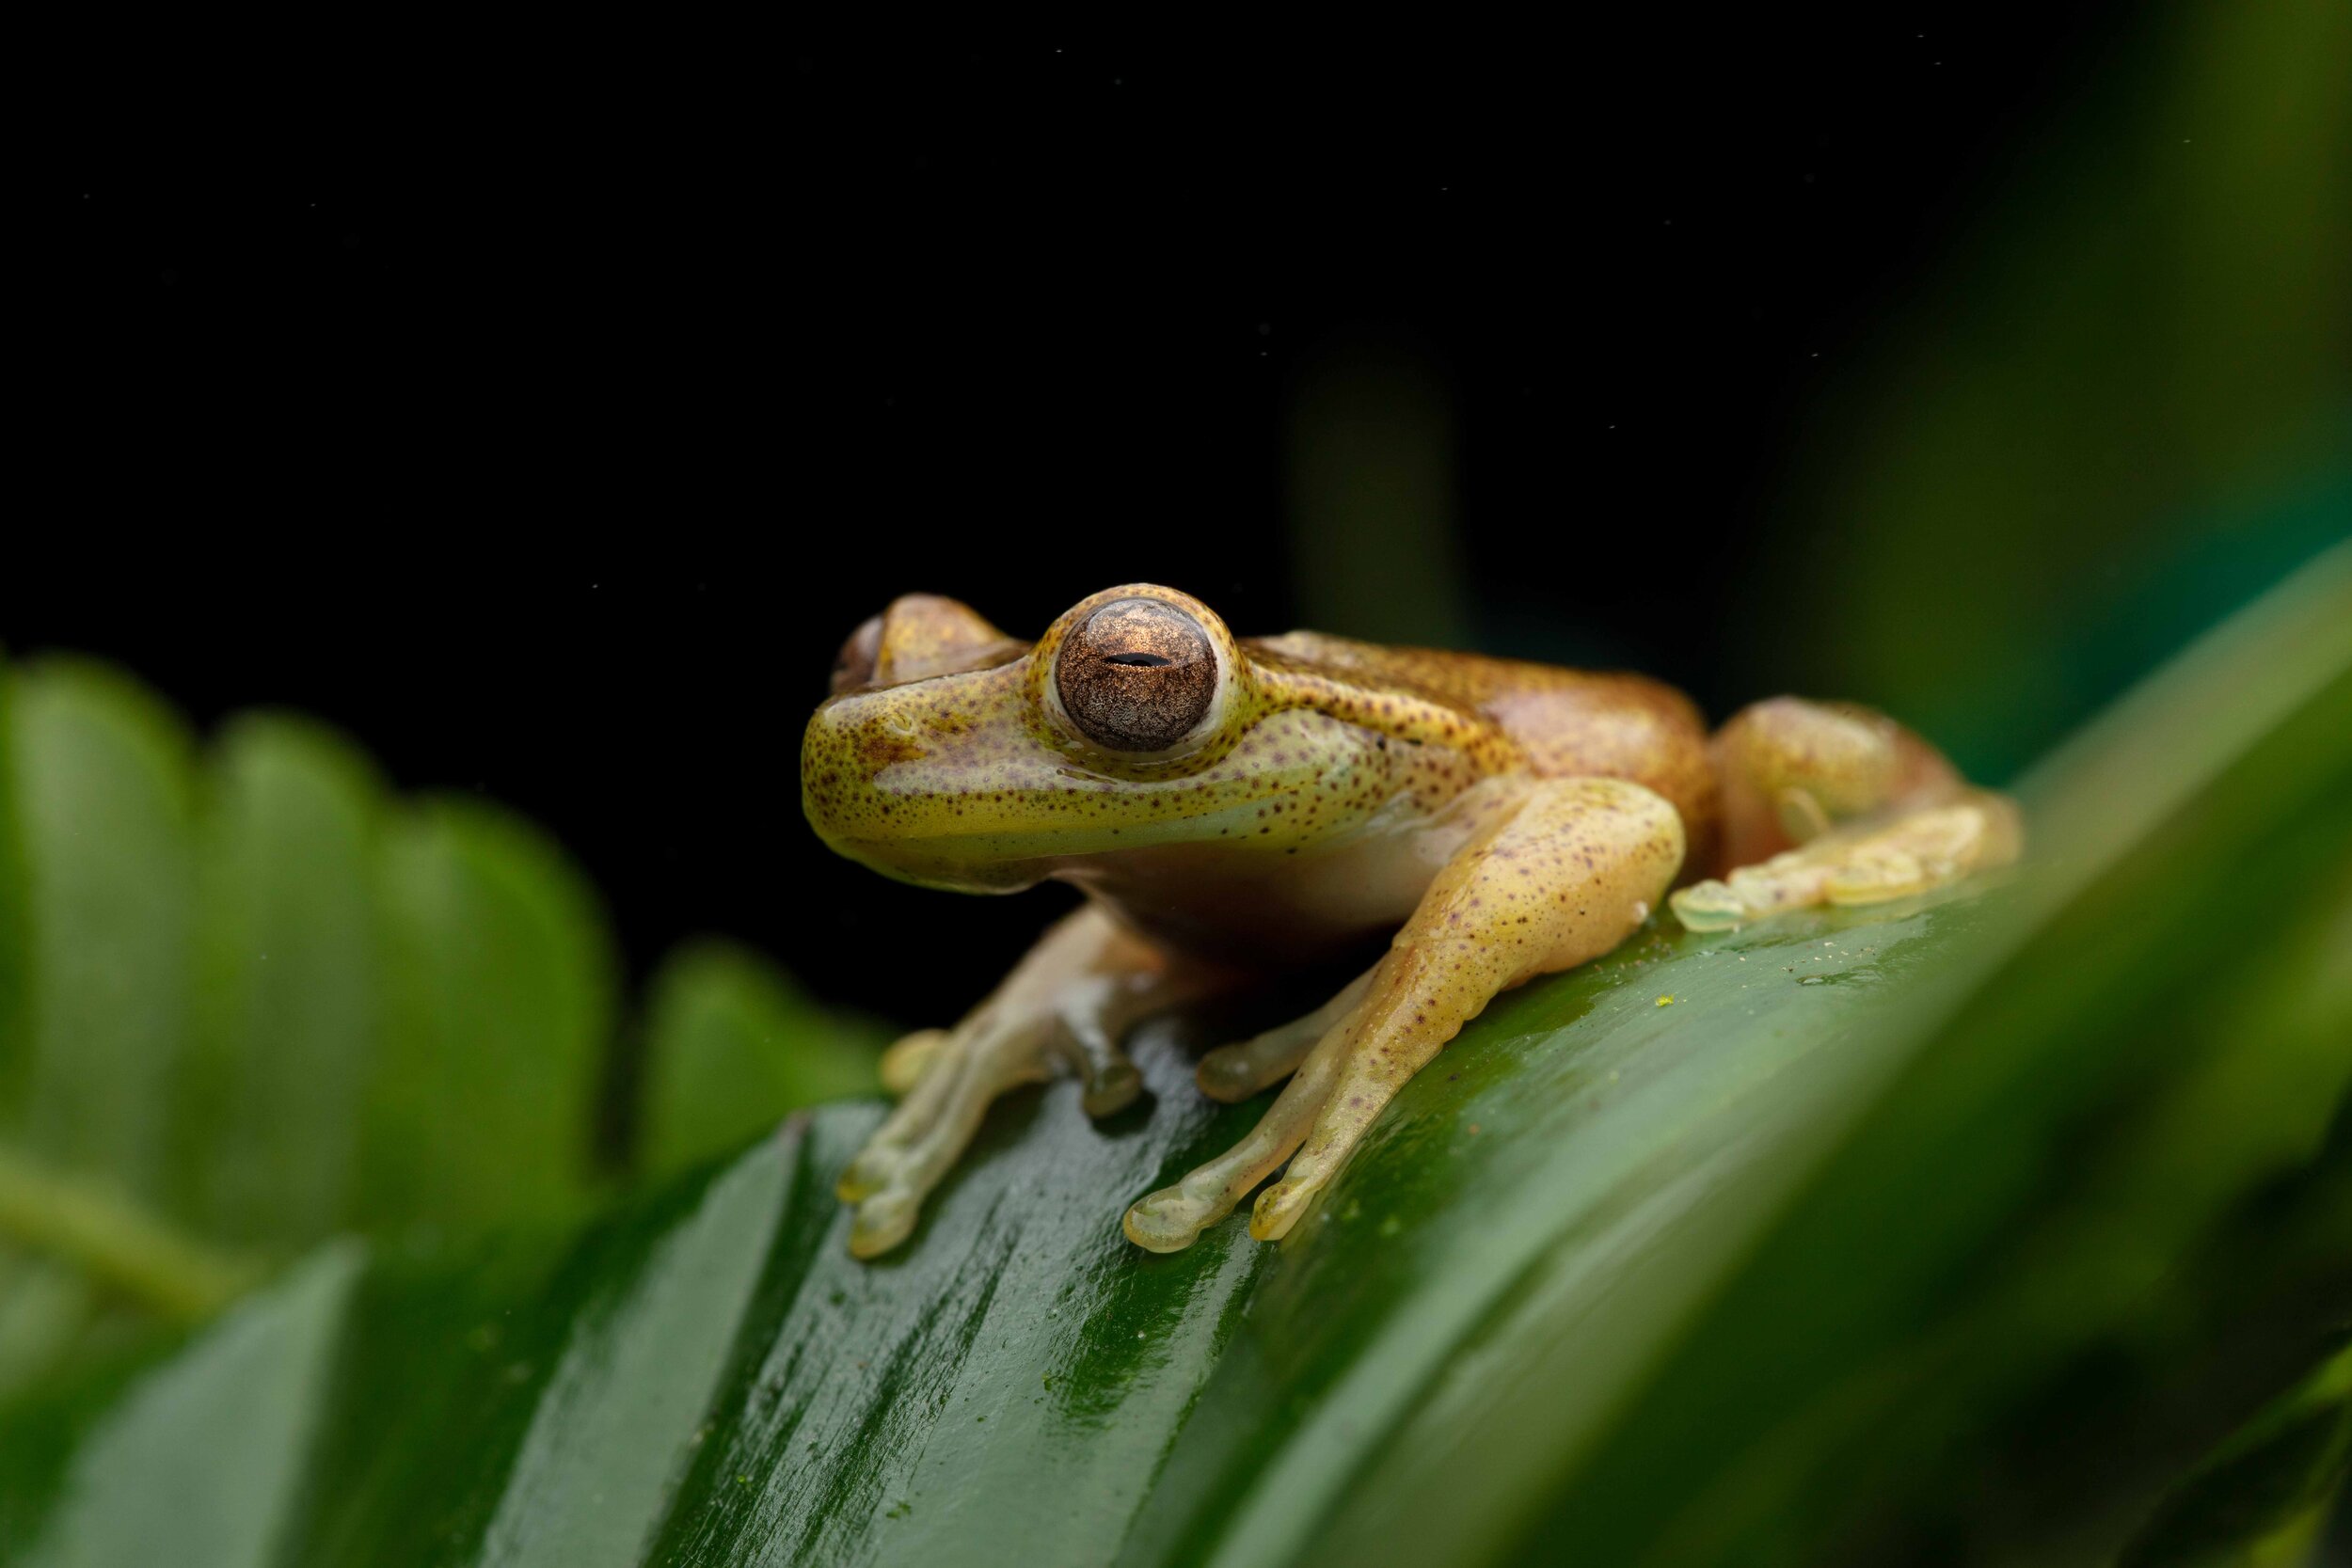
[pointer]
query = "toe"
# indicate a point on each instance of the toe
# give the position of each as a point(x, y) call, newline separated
point(863, 1176)
point(882, 1222)
point(904, 1064)
point(1166, 1221)
point(1278, 1208)
point(1708, 906)
point(1227, 1075)
point(1875, 879)
point(1111, 1089)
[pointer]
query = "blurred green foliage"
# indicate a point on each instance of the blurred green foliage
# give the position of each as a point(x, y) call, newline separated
point(249, 1000)
point(2263, 1498)
point(733, 1042)
point(2116, 406)
point(2113, 406)
point(1371, 501)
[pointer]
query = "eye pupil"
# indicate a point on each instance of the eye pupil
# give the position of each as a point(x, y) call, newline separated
point(1136, 674)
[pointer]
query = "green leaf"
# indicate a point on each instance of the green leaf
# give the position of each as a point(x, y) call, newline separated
point(1960, 1228)
point(44, 1306)
point(96, 800)
point(520, 1410)
point(731, 1046)
point(106, 797)
point(2062, 1132)
point(2263, 1497)
point(113, 1240)
point(41, 1304)
point(246, 1002)
point(482, 1098)
point(1001, 1391)
point(199, 1463)
point(16, 940)
point(2163, 278)
point(290, 983)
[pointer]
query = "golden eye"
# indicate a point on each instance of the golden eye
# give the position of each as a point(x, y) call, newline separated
point(853, 666)
point(1136, 674)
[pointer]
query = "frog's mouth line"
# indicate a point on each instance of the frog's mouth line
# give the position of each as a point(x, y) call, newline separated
point(1009, 859)
point(903, 860)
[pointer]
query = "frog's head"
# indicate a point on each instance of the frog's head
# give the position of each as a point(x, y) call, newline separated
point(955, 756)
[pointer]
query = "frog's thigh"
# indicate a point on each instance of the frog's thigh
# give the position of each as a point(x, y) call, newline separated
point(1791, 769)
point(1063, 1007)
point(1562, 880)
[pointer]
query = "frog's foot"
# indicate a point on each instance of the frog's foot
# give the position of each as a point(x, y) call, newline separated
point(1063, 1010)
point(1233, 1073)
point(1864, 863)
point(1107, 1080)
point(961, 1071)
point(1565, 878)
point(1172, 1218)
point(909, 1153)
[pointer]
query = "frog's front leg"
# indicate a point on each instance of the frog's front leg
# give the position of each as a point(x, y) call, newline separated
point(1064, 1007)
point(1563, 879)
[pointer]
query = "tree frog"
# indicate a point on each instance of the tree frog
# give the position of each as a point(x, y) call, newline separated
point(1231, 805)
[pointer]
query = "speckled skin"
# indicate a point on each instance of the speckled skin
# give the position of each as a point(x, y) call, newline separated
point(1504, 819)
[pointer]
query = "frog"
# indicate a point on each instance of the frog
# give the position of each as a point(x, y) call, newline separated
point(1234, 807)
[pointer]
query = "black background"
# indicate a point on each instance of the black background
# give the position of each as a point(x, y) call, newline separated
point(547, 435)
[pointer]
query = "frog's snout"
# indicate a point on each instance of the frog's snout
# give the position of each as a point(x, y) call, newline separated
point(915, 826)
point(849, 741)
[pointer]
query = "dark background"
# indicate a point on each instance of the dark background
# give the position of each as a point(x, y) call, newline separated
point(550, 442)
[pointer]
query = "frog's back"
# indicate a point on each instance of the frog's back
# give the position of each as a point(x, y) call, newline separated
point(1570, 724)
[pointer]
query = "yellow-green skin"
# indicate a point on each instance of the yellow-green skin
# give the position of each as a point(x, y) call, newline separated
point(1502, 819)
point(1334, 782)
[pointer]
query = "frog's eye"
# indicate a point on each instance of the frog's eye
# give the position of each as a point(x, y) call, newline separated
point(1136, 674)
point(853, 666)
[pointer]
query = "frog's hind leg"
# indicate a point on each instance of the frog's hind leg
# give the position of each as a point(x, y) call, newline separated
point(1869, 863)
point(1062, 1010)
point(1562, 880)
point(1830, 803)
